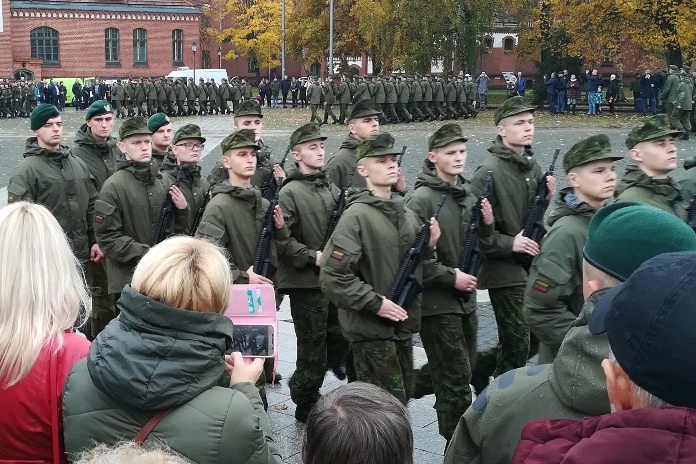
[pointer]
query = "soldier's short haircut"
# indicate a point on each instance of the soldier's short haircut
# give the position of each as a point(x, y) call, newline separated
point(358, 423)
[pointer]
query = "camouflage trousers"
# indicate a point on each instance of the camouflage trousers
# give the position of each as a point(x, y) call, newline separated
point(103, 310)
point(402, 112)
point(450, 344)
point(152, 106)
point(679, 119)
point(390, 112)
point(328, 113)
point(513, 333)
point(385, 363)
point(343, 113)
point(320, 343)
point(315, 115)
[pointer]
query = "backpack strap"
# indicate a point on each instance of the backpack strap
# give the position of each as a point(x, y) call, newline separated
point(150, 426)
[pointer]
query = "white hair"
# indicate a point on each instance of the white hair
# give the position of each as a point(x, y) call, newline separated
point(42, 288)
point(645, 398)
point(130, 453)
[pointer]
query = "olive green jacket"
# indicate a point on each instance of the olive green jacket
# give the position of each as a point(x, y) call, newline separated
point(307, 201)
point(685, 92)
point(158, 157)
point(360, 262)
point(156, 357)
point(100, 157)
point(233, 220)
point(125, 217)
point(440, 296)
point(264, 168)
point(191, 185)
point(314, 93)
point(339, 165)
point(670, 89)
point(62, 183)
point(512, 191)
point(343, 93)
point(664, 194)
point(553, 297)
point(390, 92)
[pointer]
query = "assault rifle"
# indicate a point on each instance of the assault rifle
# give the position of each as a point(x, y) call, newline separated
point(534, 223)
point(271, 184)
point(471, 257)
point(400, 158)
point(406, 287)
point(262, 255)
point(199, 214)
point(164, 223)
point(338, 209)
point(691, 213)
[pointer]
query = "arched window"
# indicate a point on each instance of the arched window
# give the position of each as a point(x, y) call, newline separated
point(112, 46)
point(139, 47)
point(508, 44)
point(44, 45)
point(315, 69)
point(178, 47)
point(488, 41)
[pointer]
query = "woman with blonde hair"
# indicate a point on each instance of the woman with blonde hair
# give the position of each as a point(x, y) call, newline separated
point(42, 295)
point(152, 375)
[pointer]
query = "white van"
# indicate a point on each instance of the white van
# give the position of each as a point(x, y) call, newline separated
point(185, 72)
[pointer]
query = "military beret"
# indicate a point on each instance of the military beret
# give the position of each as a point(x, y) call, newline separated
point(98, 108)
point(133, 126)
point(445, 135)
point(189, 131)
point(651, 128)
point(376, 145)
point(591, 149)
point(41, 114)
point(624, 235)
point(363, 109)
point(511, 107)
point(248, 108)
point(156, 121)
point(673, 67)
point(306, 133)
point(241, 139)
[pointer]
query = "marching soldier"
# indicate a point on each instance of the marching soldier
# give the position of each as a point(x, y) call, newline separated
point(129, 89)
point(404, 97)
point(191, 95)
point(140, 99)
point(390, 100)
point(151, 94)
point(224, 93)
point(180, 90)
point(202, 97)
point(343, 94)
point(118, 97)
point(314, 95)
point(329, 100)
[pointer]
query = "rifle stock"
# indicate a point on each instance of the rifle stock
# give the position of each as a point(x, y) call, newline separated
point(262, 255)
point(471, 257)
point(338, 209)
point(271, 184)
point(400, 158)
point(164, 223)
point(199, 214)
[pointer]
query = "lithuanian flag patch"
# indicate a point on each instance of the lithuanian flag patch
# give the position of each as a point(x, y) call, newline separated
point(98, 219)
point(337, 255)
point(10, 199)
point(541, 286)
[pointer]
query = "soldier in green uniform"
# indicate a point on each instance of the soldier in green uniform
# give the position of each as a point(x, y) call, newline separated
point(171, 97)
point(202, 95)
point(553, 296)
point(51, 176)
point(362, 92)
point(212, 91)
point(184, 156)
point(470, 89)
point(307, 200)
point(129, 89)
point(680, 117)
point(162, 131)
point(160, 97)
point(360, 263)
point(670, 90)
point(461, 98)
point(404, 97)
point(151, 94)
point(621, 237)
point(314, 95)
point(191, 95)
point(118, 97)
point(390, 101)
point(450, 90)
point(417, 99)
point(343, 95)
point(329, 89)
point(224, 94)
point(516, 175)
point(129, 205)
point(4, 99)
point(449, 320)
point(236, 94)
point(180, 92)
point(140, 98)
point(379, 96)
point(427, 107)
point(647, 180)
point(439, 110)
point(246, 90)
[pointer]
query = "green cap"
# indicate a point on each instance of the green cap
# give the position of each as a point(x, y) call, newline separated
point(156, 121)
point(309, 131)
point(376, 145)
point(248, 108)
point(240, 139)
point(511, 107)
point(133, 126)
point(98, 108)
point(654, 127)
point(189, 131)
point(445, 135)
point(624, 235)
point(591, 149)
point(41, 114)
point(363, 109)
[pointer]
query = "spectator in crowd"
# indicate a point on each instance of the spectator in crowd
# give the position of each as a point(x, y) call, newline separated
point(275, 91)
point(130, 453)
point(561, 86)
point(262, 92)
point(621, 237)
point(294, 90)
point(647, 93)
point(77, 95)
point(158, 366)
point(635, 89)
point(358, 423)
point(649, 321)
point(551, 84)
point(521, 84)
point(43, 295)
point(62, 94)
point(572, 93)
point(599, 98)
point(593, 82)
point(482, 83)
point(612, 93)
point(284, 89)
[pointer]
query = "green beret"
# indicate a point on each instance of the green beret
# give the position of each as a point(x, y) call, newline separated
point(376, 145)
point(156, 121)
point(511, 107)
point(240, 139)
point(445, 135)
point(363, 109)
point(189, 131)
point(673, 67)
point(654, 127)
point(248, 108)
point(591, 149)
point(309, 131)
point(41, 114)
point(133, 126)
point(624, 235)
point(98, 108)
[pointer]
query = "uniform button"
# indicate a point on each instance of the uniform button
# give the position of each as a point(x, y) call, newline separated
point(527, 179)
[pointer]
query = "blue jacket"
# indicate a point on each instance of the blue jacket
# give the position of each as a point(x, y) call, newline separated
point(592, 83)
point(285, 86)
point(551, 85)
point(647, 87)
point(521, 84)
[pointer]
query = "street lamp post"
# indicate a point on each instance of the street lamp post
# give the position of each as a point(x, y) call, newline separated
point(194, 47)
point(220, 57)
point(331, 37)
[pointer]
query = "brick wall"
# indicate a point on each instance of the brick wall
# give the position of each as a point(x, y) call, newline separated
point(6, 41)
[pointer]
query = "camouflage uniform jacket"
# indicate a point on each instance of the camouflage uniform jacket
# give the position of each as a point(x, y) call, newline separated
point(191, 185)
point(664, 194)
point(158, 157)
point(99, 157)
point(339, 165)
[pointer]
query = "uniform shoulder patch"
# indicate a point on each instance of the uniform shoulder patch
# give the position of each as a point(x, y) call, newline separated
point(10, 199)
point(337, 255)
point(98, 219)
point(541, 286)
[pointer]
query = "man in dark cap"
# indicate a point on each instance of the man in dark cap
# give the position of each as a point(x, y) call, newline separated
point(359, 265)
point(553, 296)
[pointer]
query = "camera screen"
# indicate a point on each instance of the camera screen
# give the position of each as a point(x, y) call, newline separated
point(253, 340)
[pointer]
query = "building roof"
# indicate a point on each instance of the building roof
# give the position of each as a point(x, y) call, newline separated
point(79, 6)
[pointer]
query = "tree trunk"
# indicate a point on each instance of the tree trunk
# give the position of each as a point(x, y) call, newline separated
point(673, 55)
